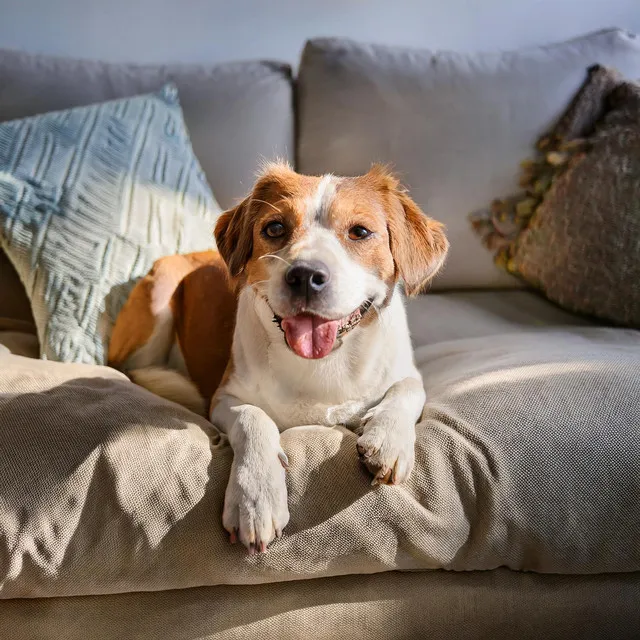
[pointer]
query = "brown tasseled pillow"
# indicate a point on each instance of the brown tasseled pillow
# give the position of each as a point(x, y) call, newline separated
point(574, 233)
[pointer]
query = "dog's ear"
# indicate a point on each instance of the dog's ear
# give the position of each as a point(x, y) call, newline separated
point(234, 237)
point(234, 229)
point(418, 243)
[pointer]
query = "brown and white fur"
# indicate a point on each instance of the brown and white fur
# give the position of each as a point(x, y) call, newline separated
point(200, 329)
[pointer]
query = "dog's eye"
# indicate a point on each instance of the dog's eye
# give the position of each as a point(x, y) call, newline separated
point(274, 230)
point(359, 232)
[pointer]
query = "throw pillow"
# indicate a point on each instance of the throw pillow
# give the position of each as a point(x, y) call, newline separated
point(89, 199)
point(574, 233)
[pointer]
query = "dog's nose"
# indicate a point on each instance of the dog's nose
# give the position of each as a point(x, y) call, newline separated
point(306, 278)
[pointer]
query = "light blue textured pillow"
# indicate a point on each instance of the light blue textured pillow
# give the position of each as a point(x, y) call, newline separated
point(89, 199)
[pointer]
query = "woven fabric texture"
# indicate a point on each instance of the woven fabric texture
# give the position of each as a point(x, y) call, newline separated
point(439, 605)
point(528, 457)
point(89, 199)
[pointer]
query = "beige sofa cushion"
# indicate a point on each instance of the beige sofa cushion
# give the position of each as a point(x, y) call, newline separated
point(454, 126)
point(528, 457)
point(438, 605)
point(451, 315)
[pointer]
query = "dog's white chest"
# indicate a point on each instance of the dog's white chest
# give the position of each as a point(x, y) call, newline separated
point(295, 394)
point(300, 413)
point(337, 389)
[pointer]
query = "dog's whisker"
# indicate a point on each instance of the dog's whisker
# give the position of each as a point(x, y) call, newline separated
point(257, 288)
point(273, 255)
point(267, 203)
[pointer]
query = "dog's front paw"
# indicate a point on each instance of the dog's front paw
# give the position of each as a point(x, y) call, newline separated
point(386, 447)
point(255, 502)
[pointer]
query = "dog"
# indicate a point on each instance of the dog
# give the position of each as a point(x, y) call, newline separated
point(298, 320)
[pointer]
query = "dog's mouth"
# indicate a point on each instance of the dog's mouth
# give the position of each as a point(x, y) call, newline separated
point(313, 337)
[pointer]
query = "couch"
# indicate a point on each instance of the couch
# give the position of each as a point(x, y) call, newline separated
point(521, 519)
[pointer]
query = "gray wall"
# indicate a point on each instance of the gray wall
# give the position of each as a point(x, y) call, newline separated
point(213, 30)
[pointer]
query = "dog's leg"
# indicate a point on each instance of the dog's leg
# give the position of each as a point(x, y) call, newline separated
point(387, 444)
point(143, 341)
point(255, 503)
point(144, 330)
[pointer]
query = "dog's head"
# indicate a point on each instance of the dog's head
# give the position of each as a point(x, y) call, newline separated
point(321, 251)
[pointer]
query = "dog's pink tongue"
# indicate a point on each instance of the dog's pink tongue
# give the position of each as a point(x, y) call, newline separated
point(310, 336)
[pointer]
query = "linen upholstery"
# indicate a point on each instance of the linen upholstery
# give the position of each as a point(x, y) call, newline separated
point(439, 605)
point(527, 457)
point(452, 315)
point(454, 126)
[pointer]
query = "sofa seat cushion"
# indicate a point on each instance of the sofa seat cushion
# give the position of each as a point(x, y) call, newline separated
point(454, 126)
point(494, 604)
point(528, 457)
point(443, 316)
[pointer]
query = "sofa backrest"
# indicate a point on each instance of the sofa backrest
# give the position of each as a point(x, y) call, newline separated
point(237, 114)
point(455, 127)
